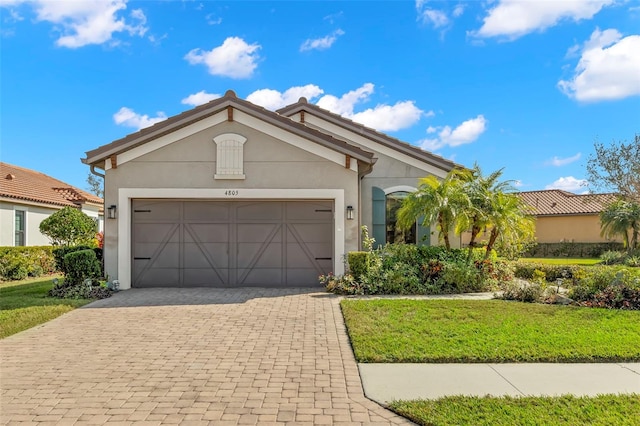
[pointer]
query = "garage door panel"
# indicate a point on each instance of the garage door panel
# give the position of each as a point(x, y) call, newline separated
point(259, 232)
point(156, 233)
point(259, 255)
point(208, 255)
point(305, 256)
point(259, 211)
point(156, 211)
point(195, 211)
point(231, 243)
point(309, 211)
point(160, 277)
point(204, 277)
point(312, 233)
point(207, 232)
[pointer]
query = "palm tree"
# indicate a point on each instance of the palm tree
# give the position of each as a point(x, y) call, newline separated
point(436, 201)
point(508, 219)
point(620, 217)
point(480, 190)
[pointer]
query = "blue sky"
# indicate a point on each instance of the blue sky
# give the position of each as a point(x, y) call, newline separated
point(527, 85)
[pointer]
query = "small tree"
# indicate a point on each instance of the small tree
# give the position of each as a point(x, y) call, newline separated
point(622, 218)
point(95, 185)
point(69, 227)
point(616, 168)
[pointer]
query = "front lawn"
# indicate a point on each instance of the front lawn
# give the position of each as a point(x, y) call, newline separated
point(562, 261)
point(566, 410)
point(25, 304)
point(488, 331)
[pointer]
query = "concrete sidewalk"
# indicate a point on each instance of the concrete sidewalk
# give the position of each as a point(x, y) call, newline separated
point(387, 382)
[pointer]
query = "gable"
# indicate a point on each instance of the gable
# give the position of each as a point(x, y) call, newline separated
point(228, 109)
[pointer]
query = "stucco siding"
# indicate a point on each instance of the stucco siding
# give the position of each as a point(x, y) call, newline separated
point(579, 229)
point(33, 216)
point(190, 163)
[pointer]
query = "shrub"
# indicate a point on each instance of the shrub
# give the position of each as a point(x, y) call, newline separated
point(17, 263)
point(525, 270)
point(633, 261)
point(461, 277)
point(522, 291)
point(80, 291)
point(60, 252)
point(612, 257)
point(598, 278)
point(358, 263)
point(69, 227)
point(618, 296)
point(80, 265)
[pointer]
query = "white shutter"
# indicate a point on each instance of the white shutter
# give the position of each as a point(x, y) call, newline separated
point(229, 156)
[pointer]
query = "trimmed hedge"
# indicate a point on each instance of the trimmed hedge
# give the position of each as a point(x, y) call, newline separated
point(18, 263)
point(579, 250)
point(80, 265)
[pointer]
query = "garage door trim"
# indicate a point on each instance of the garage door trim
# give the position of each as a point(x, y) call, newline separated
point(125, 196)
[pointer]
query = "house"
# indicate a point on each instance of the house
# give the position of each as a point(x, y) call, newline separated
point(27, 197)
point(564, 217)
point(231, 194)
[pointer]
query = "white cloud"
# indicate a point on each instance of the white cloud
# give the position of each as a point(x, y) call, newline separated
point(458, 11)
point(427, 15)
point(557, 162)
point(272, 99)
point(515, 18)
point(568, 183)
point(322, 43)
point(129, 118)
point(382, 117)
point(200, 98)
point(465, 133)
point(517, 183)
point(234, 58)
point(389, 118)
point(344, 105)
point(213, 21)
point(609, 68)
point(87, 22)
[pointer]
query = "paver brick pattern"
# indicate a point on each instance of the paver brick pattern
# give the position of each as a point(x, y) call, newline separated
point(189, 356)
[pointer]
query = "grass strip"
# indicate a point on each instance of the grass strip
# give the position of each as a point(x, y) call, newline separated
point(25, 304)
point(476, 331)
point(508, 411)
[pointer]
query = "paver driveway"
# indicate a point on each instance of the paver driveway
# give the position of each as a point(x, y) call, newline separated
point(196, 356)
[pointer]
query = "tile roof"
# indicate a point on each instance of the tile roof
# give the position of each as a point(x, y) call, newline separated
point(382, 138)
point(553, 202)
point(25, 184)
point(213, 107)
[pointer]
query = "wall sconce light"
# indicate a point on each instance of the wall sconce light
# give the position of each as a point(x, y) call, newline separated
point(349, 212)
point(111, 211)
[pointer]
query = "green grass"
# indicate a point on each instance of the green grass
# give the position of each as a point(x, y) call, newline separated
point(562, 261)
point(24, 304)
point(507, 411)
point(488, 331)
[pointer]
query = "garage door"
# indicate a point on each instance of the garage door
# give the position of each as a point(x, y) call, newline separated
point(231, 243)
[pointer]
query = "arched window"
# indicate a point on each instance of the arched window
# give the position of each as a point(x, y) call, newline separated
point(394, 234)
point(385, 207)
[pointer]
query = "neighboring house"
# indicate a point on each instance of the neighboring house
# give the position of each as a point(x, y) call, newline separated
point(563, 217)
point(232, 194)
point(28, 197)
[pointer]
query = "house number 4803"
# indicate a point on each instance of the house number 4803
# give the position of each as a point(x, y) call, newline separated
point(231, 192)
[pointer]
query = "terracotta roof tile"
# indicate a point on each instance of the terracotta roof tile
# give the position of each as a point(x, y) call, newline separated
point(25, 184)
point(553, 202)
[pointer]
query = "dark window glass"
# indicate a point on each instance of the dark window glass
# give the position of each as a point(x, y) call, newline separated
point(19, 240)
point(394, 234)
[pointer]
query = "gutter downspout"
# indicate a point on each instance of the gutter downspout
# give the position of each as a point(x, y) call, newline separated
point(93, 171)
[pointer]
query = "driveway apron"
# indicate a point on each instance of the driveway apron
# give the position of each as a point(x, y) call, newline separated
point(192, 356)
